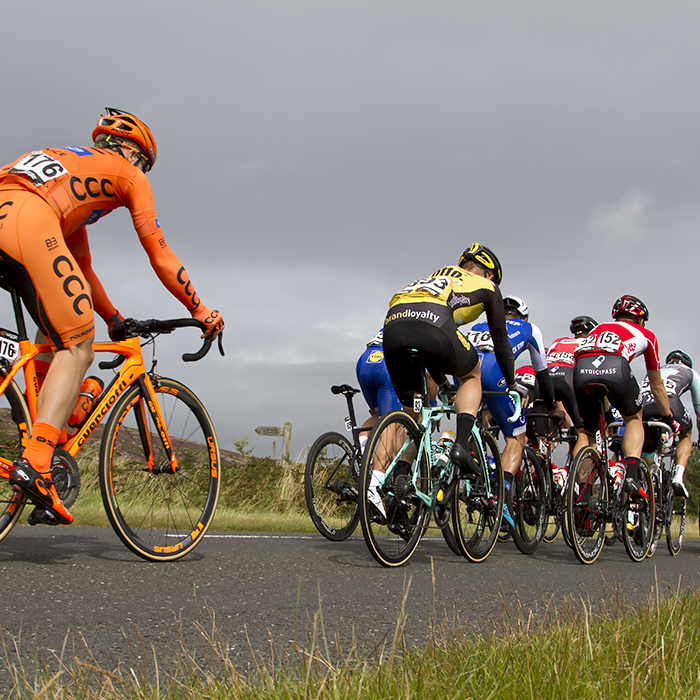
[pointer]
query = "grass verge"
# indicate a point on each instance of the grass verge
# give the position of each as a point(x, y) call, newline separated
point(648, 651)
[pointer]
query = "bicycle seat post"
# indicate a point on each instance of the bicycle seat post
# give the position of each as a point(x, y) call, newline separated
point(353, 420)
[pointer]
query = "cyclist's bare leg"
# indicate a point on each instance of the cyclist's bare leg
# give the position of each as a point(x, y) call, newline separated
point(684, 448)
point(468, 398)
point(583, 439)
point(633, 437)
point(59, 392)
point(513, 452)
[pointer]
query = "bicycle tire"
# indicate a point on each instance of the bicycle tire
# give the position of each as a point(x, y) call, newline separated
point(639, 518)
point(330, 486)
point(476, 514)
point(587, 504)
point(160, 516)
point(530, 503)
point(660, 518)
point(451, 539)
point(392, 539)
point(15, 426)
point(675, 523)
point(554, 503)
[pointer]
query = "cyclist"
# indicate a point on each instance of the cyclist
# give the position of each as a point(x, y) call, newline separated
point(47, 198)
point(560, 360)
point(679, 377)
point(522, 335)
point(375, 384)
point(424, 317)
point(604, 358)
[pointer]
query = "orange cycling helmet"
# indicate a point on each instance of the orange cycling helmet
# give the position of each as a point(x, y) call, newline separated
point(483, 257)
point(121, 124)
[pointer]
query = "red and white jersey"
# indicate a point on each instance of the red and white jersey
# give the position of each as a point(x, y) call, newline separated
point(621, 338)
point(561, 352)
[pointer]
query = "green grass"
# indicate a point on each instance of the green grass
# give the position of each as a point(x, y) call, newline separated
point(650, 651)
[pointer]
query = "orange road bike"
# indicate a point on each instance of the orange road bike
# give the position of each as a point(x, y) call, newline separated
point(159, 463)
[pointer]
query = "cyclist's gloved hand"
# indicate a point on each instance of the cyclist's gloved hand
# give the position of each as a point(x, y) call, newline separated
point(520, 389)
point(672, 423)
point(211, 318)
point(115, 319)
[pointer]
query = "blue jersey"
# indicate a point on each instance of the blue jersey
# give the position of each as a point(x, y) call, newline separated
point(522, 336)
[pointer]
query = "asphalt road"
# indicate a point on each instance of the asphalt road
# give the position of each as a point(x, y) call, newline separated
point(79, 589)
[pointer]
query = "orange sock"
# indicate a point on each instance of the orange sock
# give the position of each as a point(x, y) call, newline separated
point(40, 446)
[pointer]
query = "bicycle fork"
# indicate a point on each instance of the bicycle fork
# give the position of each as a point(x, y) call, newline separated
point(148, 406)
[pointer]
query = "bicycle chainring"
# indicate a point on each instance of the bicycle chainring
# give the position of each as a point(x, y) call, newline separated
point(66, 476)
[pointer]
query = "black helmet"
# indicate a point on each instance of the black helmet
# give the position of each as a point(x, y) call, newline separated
point(516, 306)
point(680, 356)
point(582, 325)
point(483, 257)
point(632, 306)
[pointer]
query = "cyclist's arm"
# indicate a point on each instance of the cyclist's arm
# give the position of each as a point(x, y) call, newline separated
point(78, 245)
point(695, 390)
point(538, 357)
point(658, 389)
point(493, 304)
point(174, 277)
point(167, 266)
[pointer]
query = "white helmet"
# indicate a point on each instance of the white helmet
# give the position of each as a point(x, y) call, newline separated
point(516, 306)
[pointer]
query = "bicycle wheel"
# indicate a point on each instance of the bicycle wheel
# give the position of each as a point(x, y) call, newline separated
point(330, 486)
point(639, 517)
point(15, 425)
point(675, 523)
point(157, 514)
point(393, 536)
point(477, 510)
point(529, 503)
point(587, 504)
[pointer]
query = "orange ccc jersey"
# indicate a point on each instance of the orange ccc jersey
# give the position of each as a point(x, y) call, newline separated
point(82, 185)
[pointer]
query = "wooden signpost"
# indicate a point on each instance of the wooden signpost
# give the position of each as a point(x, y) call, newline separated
point(285, 432)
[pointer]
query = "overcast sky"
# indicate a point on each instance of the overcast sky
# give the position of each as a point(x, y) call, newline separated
point(315, 157)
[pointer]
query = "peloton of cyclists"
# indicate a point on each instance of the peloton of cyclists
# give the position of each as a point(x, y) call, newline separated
point(604, 358)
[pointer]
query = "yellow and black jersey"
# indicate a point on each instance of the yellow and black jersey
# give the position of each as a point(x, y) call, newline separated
point(453, 294)
point(465, 294)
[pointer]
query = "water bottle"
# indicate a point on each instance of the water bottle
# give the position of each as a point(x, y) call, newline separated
point(442, 453)
point(559, 474)
point(617, 473)
point(90, 389)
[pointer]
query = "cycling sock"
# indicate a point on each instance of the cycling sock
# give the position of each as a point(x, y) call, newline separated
point(508, 480)
point(40, 447)
point(465, 423)
point(632, 468)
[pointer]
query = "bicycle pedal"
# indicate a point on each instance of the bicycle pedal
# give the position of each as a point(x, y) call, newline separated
point(41, 516)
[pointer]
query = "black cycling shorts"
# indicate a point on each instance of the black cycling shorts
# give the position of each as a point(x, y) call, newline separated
point(614, 373)
point(652, 412)
point(563, 383)
point(442, 350)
